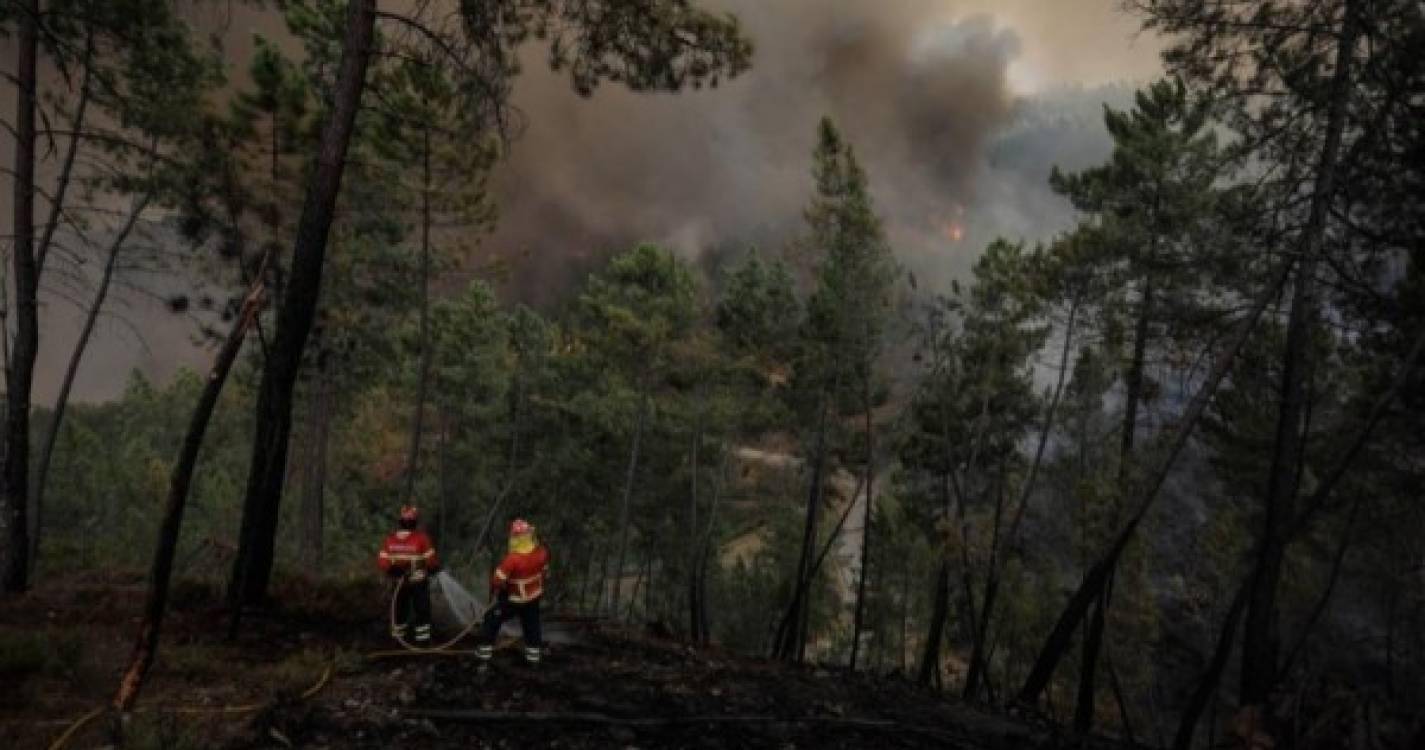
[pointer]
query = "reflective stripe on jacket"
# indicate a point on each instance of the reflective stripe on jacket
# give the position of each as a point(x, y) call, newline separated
point(406, 551)
point(522, 574)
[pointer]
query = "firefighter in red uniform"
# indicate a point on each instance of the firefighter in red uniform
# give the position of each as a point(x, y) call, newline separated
point(408, 553)
point(516, 588)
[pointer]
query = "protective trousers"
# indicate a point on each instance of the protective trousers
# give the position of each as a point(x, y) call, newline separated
point(504, 609)
point(413, 609)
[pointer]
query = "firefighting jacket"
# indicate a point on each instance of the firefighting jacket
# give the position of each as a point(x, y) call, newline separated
point(405, 551)
point(522, 574)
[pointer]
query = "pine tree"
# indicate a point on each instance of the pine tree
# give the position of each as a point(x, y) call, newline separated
point(841, 342)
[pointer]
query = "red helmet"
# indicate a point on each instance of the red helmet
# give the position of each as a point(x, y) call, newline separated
point(521, 527)
point(410, 513)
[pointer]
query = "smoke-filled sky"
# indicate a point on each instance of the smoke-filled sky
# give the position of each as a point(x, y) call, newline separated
point(921, 88)
point(955, 107)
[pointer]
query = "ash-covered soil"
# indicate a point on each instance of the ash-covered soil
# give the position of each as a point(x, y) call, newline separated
point(318, 672)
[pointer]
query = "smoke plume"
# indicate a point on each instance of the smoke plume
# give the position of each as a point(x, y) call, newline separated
point(917, 87)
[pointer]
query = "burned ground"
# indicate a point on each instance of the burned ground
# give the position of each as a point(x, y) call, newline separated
point(613, 687)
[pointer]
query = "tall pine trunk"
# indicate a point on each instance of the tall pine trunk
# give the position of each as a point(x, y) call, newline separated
point(15, 479)
point(790, 642)
point(866, 524)
point(1260, 635)
point(252, 568)
point(1093, 640)
point(623, 515)
point(929, 673)
point(700, 567)
point(694, 555)
point(423, 374)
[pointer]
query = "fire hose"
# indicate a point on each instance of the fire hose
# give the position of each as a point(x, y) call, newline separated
point(244, 708)
point(442, 649)
point(407, 649)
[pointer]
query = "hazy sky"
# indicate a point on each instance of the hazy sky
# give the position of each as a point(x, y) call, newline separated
point(923, 88)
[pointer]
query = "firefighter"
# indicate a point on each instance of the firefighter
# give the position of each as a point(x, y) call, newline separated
point(408, 554)
point(516, 587)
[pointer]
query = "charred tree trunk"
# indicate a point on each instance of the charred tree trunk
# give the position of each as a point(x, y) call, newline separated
point(694, 555)
point(929, 674)
point(252, 567)
point(700, 587)
point(1260, 635)
point(978, 659)
point(790, 643)
point(905, 615)
point(146, 644)
point(623, 515)
point(62, 400)
point(15, 481)
point(976, 675)
point(867, 522)
point(423, 374)
point(1207, 686)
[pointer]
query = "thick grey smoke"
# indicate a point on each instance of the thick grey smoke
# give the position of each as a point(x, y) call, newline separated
point(918, 89)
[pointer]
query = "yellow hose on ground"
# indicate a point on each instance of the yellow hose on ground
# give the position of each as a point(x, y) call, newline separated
point(84, 720)
point(409, 649)
point(444, 647)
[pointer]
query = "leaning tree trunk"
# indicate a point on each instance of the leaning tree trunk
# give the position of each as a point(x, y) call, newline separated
point(146, 644)
point(1060, 638)
point(62, 400)
point(1260, 634)
point(15, 479)
point(252, 568)
point(979, 659)
point(623, 514)
point(1315, 504)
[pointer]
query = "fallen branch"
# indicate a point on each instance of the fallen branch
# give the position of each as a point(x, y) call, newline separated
point(473, 716)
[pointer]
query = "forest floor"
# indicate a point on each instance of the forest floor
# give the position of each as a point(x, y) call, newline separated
point(63, 646)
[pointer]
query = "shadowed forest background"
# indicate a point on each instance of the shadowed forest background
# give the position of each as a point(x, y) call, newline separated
point(823, 336)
